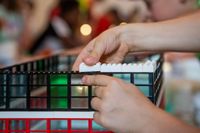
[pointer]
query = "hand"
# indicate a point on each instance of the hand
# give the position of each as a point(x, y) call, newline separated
point(119, 106)
point(107, 47)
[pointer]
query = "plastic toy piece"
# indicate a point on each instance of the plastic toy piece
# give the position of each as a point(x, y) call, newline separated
point(104, 68)
point(86, 68)
point(137, 67)
point(111, 68)
point(116, 67)
point(148, 66)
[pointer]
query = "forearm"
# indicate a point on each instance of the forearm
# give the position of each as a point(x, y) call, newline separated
point(165, 123)
point(182, 34)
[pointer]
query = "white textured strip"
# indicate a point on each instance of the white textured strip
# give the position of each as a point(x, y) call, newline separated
point(104, 68)
point(85, 68)
point(148, 66)
point(52, 114)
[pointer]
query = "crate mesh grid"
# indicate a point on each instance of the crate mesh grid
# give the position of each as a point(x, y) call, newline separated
point(58, 89)
point(42, 86)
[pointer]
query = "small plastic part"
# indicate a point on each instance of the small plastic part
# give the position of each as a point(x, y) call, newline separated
point(148, 66)
point(85, 68)
point(103, 68)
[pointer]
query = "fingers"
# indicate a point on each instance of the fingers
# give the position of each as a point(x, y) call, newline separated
point(96, 103)
point(97, 118)
point(98, 80)
point(85, 53)
point(117, 56)
point(98, 91)
point(90, 55)
point(98, 49)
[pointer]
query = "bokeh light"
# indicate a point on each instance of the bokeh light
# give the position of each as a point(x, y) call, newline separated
point(86, 29)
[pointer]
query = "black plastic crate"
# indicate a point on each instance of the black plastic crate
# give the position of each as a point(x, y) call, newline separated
point(47, 84)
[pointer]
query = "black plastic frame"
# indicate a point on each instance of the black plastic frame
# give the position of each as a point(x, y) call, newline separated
point(38, 74)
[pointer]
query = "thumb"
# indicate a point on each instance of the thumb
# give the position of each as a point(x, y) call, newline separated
point(95, 54)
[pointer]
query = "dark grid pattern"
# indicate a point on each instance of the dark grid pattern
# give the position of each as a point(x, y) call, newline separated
point(61, 91)
point(39, 86)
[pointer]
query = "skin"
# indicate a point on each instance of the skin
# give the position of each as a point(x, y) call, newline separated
point(168, 9)
point(132, 107)
point(165, 10)
point(113, 44)
point(122, 108)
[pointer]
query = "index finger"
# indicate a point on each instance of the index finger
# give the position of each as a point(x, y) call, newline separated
point(84, 54)
point(97, 80)
point(79, 60)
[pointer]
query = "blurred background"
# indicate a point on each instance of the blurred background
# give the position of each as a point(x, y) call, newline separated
point(31, 28)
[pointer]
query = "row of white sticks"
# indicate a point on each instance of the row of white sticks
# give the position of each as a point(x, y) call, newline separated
point(148, 66)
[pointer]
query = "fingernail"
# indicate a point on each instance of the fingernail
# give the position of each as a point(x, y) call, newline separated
point(93, 54)
point(90, 59)
point(84, 80)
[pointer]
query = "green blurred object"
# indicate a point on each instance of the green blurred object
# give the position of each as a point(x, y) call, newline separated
point(59, 91)
point(58, 87)
point(59, 103)
point(59, 82)
point(198, 3)
point(40, 66)
point(169, 106)
point(198, 56)
point(1, 37)
point(59, 79)
point(84, 5)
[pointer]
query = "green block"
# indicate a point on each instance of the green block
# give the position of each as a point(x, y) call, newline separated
point(59, 88)
point(59, 103)
point(59, 91)
point(59, 79)
point(58, 84)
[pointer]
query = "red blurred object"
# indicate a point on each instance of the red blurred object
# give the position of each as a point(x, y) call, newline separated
point(7, 128)
point(103, 24)
point(55, 12)
point(111, 18)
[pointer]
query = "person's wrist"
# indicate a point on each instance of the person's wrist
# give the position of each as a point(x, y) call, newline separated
point(130, 35)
